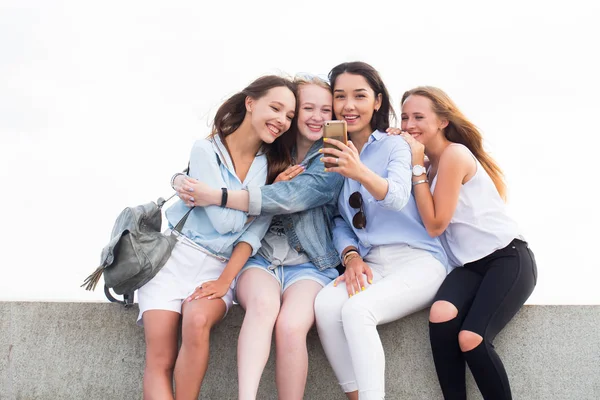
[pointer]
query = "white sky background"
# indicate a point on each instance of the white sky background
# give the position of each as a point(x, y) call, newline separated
point(100, 103)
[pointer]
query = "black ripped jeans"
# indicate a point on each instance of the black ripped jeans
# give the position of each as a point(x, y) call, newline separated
point(487, 293)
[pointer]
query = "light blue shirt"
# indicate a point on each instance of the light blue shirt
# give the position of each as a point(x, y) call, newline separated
point(215, 228)
point(393, 220)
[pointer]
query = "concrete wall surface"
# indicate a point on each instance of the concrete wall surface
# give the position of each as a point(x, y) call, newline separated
point(95, 351)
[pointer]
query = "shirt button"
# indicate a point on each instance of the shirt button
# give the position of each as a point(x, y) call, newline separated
point(298, 248)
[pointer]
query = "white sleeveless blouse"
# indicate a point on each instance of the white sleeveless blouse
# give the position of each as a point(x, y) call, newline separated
point(480, 224)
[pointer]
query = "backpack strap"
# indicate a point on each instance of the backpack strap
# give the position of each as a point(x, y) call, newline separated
point(127, 298)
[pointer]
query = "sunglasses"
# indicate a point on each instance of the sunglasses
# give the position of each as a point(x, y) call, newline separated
point(356, 201)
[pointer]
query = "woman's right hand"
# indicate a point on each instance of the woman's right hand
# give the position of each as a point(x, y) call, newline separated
point(195, 193)
point(290, 173)
point(391, 131)
point(354, 276)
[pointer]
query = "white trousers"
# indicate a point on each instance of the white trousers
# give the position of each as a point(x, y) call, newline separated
point(405, 280)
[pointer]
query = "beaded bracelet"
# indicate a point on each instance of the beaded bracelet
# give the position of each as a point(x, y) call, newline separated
point(349, 258)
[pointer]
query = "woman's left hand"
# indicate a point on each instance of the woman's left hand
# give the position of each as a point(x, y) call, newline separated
point(210, 290)
point(346, 159)
point(416, 148)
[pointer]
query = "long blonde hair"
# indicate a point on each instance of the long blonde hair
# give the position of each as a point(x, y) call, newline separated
point(461, 130)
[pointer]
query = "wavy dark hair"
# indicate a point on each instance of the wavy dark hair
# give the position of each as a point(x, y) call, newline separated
point(381, 118)
point(460, 130)
point(232, 112)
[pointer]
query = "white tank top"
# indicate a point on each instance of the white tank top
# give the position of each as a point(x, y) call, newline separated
point(480, 224)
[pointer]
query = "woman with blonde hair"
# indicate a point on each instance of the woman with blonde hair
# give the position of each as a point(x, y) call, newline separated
point(277, 287)
point(460, 198)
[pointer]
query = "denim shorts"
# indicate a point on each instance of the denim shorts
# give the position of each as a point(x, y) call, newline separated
point(287, 275)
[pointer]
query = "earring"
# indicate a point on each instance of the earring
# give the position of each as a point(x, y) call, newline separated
point(376, 111)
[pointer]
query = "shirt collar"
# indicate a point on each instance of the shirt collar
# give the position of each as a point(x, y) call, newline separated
point(378, 135)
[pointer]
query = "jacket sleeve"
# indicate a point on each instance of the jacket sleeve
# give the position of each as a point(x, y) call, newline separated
point(205, 168)
point(312, 188)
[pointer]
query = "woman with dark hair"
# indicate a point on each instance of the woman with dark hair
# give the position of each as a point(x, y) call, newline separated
point(243, 150)
point(393, 267)
point(464, 206)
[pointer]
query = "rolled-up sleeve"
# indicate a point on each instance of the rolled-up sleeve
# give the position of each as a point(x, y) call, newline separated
point(255, 200)
point(399, 177)
point(255, 232)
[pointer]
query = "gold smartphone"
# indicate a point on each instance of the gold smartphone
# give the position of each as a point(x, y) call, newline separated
point(335, 130)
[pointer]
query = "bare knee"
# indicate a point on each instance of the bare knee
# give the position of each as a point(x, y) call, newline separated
point(292, 329)
point(161, 358)
point(468, 340)
point(196, 328)
point(263, 307)
point(442, 311)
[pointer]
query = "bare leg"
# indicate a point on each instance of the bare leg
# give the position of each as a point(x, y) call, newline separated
point(295, 319)
point(259, 294)
point(160, 329)
point(199, 316)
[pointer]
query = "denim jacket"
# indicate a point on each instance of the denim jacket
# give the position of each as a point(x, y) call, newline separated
point(307, 203)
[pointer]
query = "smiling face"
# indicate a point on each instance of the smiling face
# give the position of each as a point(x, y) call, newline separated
point(315, 108)
point(419, 119)
point(355, 102)
point(271, 115)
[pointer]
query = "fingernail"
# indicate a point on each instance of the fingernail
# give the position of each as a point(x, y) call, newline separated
point(363, 288)
point(320, 150)
point(196, 298)
point(370, 281)
point(321, 159)
point(190, 189)
point(324, 139)
point(325, 169)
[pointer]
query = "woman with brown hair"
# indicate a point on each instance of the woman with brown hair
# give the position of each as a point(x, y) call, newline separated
point(277, 287)
point(243, 150)
point(461, 199)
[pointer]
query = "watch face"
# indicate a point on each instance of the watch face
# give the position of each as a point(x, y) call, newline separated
point(418, 170)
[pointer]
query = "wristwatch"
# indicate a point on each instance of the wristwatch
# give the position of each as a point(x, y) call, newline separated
point(418, 170)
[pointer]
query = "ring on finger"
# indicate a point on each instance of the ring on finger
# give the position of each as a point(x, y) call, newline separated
point(337, 161)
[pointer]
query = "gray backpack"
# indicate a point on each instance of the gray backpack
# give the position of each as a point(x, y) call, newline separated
point(136, 252)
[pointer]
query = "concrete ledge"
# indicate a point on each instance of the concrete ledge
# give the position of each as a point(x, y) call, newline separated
point(95, 351)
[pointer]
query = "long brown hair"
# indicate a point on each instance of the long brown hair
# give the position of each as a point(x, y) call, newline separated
point(381, 118)
point(232, 112)
point(461, 130)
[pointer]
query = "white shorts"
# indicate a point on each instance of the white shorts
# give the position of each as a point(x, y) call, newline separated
point(187, 268)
